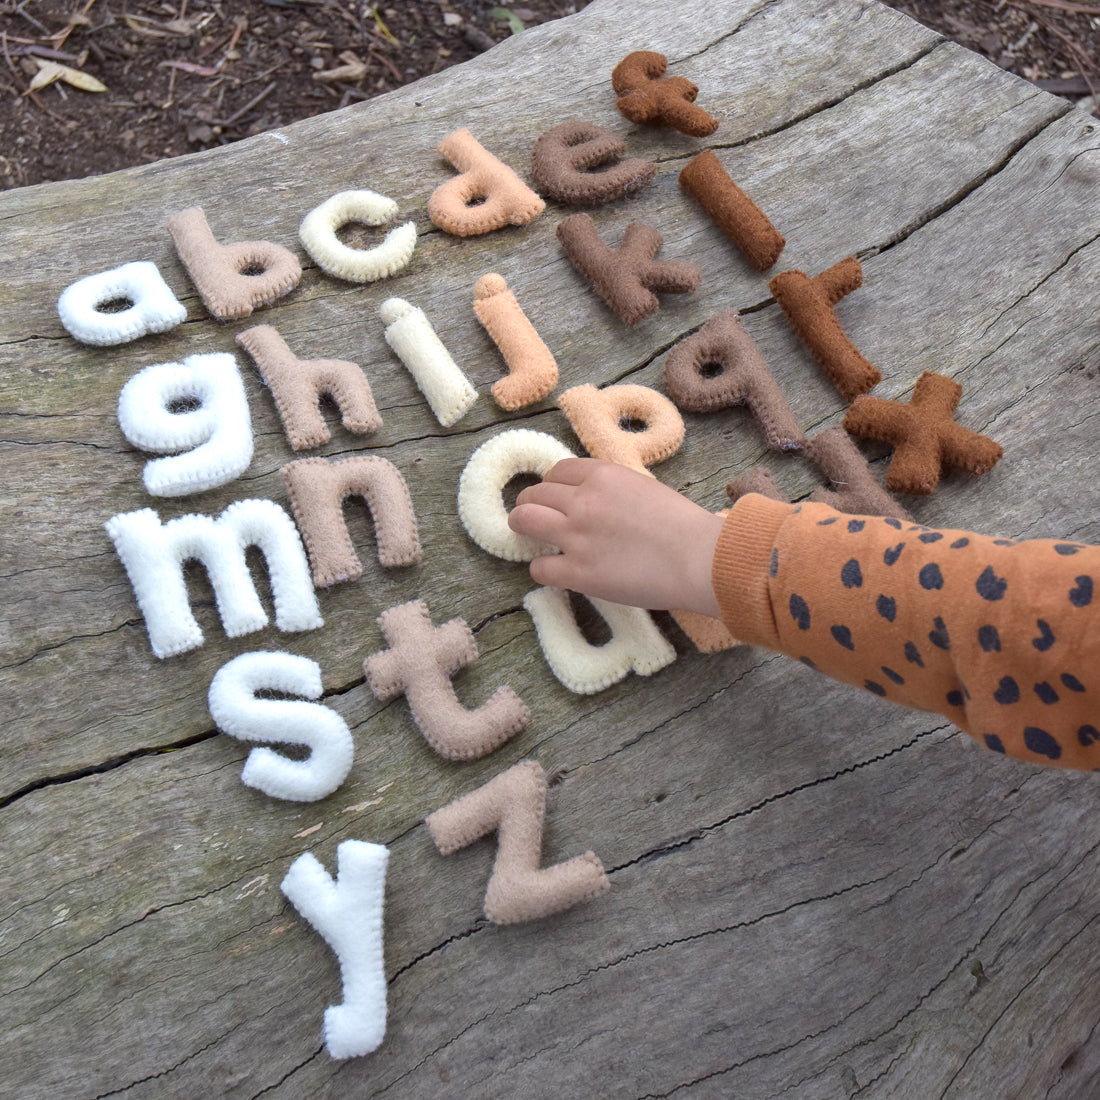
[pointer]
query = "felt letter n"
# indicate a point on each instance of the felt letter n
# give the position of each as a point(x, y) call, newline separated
point(238, 712)
point(297, 386)
point(347, 913)
point(153, 555)
point(318, 489)
point(232, 279)
point(486, 196)
point(420, 662)
point(154, 414)
point(514, 805)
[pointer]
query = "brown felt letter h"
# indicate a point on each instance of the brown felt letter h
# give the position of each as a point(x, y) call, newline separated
point(420, 662)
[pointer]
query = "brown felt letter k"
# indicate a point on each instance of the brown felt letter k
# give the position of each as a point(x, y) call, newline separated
point(420, 662)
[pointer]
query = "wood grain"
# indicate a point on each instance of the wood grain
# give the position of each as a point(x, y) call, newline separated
point(813, 892)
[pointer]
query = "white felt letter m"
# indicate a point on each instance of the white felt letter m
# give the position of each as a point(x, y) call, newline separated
point(154, 553)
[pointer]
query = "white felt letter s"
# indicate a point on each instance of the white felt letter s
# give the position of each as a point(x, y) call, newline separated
point(237, 711)
point(347, 913)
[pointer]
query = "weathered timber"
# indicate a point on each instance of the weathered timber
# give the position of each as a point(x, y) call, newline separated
point(812, 892)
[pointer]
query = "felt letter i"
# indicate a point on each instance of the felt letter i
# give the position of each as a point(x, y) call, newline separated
point(347, 913)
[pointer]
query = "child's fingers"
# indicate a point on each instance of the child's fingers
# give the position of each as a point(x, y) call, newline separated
point(552, 571)
point(547, 494)
point(570, 471)
point(537, 522)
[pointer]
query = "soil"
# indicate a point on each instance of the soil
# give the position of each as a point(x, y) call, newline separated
point(192, 74)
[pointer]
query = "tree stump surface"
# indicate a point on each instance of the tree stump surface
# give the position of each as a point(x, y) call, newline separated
point(813, 892)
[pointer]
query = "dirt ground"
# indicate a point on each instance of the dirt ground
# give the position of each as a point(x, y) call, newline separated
point(191, 74)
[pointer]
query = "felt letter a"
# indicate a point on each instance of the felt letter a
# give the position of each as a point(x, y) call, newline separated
point(636, 644)
point(318, 489)
point(219, 430)
point(420, 662)
point(237, 711)
point(514, 804)
point(347, 913)
point(232, 279)
point(154, 553)
point(486, 196)
point(153, 307)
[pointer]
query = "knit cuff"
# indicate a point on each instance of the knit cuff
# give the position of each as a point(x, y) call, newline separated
point(740, 570)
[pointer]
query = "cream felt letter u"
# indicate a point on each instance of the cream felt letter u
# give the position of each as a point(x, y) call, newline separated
point(347, 913)
point(237, 712)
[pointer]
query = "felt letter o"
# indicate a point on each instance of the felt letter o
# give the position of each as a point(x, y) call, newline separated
point(357, 265)
point(490, 468)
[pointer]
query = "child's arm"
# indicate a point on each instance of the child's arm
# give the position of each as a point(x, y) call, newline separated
point(1000, 637)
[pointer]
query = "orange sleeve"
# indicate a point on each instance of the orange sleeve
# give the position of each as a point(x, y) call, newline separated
point(1002, 637)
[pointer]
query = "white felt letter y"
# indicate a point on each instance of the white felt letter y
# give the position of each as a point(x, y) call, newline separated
point(347, 913)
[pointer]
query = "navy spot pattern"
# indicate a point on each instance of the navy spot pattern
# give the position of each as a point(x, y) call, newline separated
point(930, 576)
point(1046, 636)
point(800, 612)
point(990, 586)
point(1041, 743)
point(1046, 693)
point(1081, 595)
point(1035, 711)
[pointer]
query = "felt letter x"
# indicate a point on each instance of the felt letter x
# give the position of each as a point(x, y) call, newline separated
point(925, 437)
point(420, 662)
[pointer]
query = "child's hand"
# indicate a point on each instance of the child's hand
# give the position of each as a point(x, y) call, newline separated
point(623, 537)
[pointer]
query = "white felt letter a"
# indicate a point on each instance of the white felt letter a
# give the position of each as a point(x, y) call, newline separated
point(347, 913)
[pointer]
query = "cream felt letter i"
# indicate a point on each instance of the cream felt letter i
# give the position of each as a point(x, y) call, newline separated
point(236, 710)
point(347, 913)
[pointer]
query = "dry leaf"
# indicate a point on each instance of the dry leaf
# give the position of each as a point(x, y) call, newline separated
point(352, 70)
point(49, 71)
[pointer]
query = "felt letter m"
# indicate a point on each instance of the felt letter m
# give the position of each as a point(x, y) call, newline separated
point(154, 553)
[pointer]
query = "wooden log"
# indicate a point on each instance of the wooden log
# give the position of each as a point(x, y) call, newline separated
point(811, 890)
